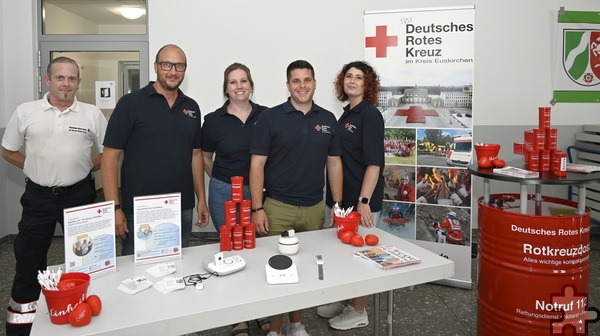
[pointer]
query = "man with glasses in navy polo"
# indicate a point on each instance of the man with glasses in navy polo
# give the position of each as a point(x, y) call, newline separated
point(157, 130)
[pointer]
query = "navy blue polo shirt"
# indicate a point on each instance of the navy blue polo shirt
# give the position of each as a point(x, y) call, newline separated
point(229, 138)
point(361, 134)
point(297, 147)
point(157, 143)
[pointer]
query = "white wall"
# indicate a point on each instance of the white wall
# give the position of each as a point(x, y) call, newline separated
point(513, 49)
point(3, 164)
point(17, 83)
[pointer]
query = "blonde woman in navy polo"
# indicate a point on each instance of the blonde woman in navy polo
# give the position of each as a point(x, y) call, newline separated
point(225, 147)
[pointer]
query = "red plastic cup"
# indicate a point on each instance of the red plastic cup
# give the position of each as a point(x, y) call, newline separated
point(487, 150)
point(237, 188)
point(528, 136)
point(539, 139)
point(348, 223)
point(559, 163)
point(245, 212)
point(551, 138)
point(249, 236)
point(545, 164)
point(544, 117)
point(225, 238)
point(230, 209)
point(61, 302)
point(238, 238)
point(533, 160)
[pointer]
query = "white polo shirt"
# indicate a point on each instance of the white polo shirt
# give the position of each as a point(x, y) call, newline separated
point(58, 145)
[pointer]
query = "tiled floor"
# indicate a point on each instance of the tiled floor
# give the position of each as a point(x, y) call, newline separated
point(427, 309)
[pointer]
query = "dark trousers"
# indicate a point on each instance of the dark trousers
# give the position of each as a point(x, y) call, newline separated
point(42, 208)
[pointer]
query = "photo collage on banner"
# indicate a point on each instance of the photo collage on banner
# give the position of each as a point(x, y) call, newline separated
point(424, 58)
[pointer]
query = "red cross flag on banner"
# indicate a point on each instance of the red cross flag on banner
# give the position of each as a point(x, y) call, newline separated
point(424, 58)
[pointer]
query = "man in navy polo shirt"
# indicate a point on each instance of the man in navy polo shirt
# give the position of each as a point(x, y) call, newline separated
point(291, 146)
point(157, 129)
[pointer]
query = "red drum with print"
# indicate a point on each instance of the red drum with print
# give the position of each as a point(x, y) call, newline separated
point(530, 265)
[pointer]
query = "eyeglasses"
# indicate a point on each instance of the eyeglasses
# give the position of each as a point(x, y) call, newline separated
point(167, 66)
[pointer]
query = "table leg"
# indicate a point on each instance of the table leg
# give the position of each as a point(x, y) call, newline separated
point(538, 200)
point(486, 190)
point(376, 304)
point(390, 312)
point(523, 200)
point(581, 200)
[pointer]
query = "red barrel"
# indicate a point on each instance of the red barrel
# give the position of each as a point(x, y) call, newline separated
point(527, 263)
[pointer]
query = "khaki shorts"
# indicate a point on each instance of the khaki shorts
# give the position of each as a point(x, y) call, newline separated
point(283, 216)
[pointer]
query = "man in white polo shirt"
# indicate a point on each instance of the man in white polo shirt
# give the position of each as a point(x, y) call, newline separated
point(58, 133)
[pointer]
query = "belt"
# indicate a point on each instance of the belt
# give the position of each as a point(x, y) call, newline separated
point(56, 190)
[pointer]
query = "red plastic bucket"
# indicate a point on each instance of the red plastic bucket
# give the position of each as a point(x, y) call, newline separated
point(62, 302)
point(487, 150)
point(530, 263)
point(350, 222)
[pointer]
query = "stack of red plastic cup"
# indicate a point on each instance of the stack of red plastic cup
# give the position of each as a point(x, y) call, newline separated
point(238, 231)
point(539, 149)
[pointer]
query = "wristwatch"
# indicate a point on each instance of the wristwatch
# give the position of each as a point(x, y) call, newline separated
point(117, 207)
point(320, 263)
point(363, 200)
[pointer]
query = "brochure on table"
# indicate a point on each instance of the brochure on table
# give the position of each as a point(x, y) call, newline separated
point(90, 239)
point(157, 227)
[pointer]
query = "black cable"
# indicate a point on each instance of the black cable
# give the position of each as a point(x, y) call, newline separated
point(192, 280)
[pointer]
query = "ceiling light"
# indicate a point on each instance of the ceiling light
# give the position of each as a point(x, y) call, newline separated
point(132, 13)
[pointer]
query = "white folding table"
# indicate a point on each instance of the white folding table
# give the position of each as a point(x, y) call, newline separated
point(246, 295)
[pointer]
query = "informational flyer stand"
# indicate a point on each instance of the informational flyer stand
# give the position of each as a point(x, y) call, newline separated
point(157, 227)
point(90, 239)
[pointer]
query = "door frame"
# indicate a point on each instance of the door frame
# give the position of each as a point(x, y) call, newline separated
point(48, 47)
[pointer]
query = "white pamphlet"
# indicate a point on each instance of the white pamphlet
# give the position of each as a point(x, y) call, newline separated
point(90, 238)
point(134, 284)
point(169, 284)
point(157, 228)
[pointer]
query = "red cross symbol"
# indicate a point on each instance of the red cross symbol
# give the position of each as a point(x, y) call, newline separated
point(416, 114)
point(381, 41)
